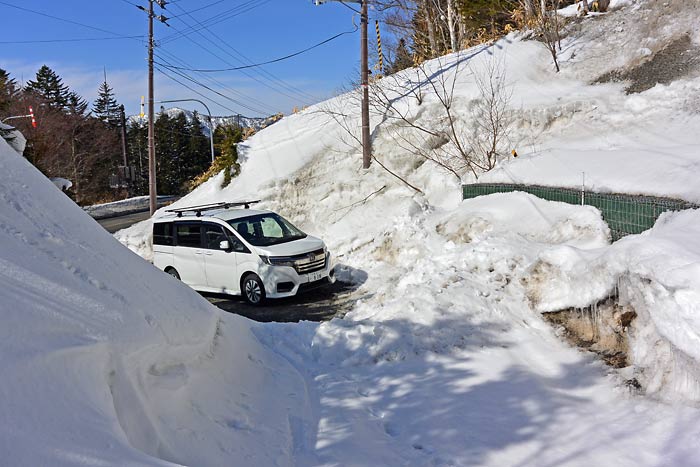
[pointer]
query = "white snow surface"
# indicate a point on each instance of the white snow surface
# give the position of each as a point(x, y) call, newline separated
point(443, 359)
point(106, 361)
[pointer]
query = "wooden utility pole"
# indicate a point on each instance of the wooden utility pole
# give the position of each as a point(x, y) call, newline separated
point(152, 193)
point(364, 64)
point(122, 121)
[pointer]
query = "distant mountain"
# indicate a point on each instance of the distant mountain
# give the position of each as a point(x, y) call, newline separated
point(256, 123)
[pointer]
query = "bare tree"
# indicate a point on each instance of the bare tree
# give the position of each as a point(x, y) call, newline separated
point(549, 28)
point(459, 142)
point(492, 115)
point(351, 130)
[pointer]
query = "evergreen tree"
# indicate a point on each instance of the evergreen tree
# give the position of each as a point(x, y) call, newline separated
point(227, 138)
point(137, 144)
point(8, 91)
point(198, 150)
point(50, 86)
point(105, 107)
point(76, 105)
point(403, 58)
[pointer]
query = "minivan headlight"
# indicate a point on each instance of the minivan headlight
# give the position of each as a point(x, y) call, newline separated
point(277, 261)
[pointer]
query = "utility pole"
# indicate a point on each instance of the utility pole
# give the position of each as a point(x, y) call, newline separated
point(122, 120)
point(364, 64)
point(152, 193)
point(152, 190)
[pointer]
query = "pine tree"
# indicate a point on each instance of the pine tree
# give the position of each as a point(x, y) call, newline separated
point(403, 58)
point(198, 150)
point(76, 105)
point(227, 138)
point(8, 91)
point(105, 107)
point(50, 86)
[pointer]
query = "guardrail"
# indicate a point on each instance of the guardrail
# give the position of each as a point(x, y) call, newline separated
point(624, 214)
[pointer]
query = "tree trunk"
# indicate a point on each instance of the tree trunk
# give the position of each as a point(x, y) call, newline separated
point(431, 29)
point(584, 7)
point(451, 24)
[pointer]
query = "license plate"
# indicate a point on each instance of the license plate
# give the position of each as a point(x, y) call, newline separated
point(315, 276)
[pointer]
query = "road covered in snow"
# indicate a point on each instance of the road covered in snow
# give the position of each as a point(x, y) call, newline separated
point(442, 357)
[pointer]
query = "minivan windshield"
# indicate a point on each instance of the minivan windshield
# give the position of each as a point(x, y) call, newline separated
point(266, 229)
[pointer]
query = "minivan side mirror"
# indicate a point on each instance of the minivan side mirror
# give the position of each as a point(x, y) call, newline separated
point(224, 245)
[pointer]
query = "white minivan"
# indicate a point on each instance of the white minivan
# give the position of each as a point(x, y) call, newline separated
point(254, 253)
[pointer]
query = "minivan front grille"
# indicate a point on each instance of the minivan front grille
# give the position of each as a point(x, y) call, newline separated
point(310, 262)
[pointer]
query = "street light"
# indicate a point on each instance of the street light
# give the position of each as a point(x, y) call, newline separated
point(211, 122)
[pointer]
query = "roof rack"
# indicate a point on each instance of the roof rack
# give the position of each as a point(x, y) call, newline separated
point(209, 207)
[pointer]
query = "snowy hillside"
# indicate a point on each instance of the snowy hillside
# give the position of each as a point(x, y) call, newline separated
point(445, 358)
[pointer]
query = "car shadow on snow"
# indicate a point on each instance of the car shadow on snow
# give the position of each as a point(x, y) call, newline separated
point(319, 304)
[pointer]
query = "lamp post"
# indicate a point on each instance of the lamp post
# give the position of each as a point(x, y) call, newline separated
point(211, 122)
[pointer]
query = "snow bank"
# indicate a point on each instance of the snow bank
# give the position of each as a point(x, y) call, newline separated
point(107, 361)
point(13, 137)
point(658, 274)
point(529, 216)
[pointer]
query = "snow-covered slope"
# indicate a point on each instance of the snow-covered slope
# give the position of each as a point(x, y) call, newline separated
point(107, 361)
point(443, 359)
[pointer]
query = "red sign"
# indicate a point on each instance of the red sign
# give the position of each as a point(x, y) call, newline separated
point(31, 114)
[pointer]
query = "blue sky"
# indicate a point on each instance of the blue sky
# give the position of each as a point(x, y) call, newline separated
point(261, 30)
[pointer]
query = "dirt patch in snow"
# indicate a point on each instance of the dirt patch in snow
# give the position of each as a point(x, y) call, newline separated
point(602, 329)
point(678, 59)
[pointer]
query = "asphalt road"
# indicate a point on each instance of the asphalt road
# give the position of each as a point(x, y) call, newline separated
point(114, 224)
point(322, 304)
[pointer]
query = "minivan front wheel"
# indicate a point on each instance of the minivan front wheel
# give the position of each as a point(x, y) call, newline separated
point(173, 273)
point(253, 290)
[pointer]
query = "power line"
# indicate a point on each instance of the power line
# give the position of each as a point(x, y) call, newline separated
point(198, 83)
point(279, 91)
point(276, 60)
point(163, 72)
point(133, 4)
point(62, 19)
point(299, 93)
point(223, 16)
point(87, 39)
point(257, 103)
point(243, 59)
point(196, 9)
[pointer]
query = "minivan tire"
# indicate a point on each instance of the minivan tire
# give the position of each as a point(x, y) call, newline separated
point(173, 273)
point(253, 290)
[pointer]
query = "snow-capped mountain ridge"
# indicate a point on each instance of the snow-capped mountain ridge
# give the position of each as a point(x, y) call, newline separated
point(256, 123)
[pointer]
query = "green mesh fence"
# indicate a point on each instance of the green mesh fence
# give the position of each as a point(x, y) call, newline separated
point(625, 214)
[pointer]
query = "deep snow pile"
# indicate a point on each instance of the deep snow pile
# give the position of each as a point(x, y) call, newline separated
point(443, 361)
point(658, 274)
point(106, 361)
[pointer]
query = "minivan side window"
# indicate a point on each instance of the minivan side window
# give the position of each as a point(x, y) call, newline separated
point(213, 236)
point(236, 244)
point(163, 233)
point(189, 235)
